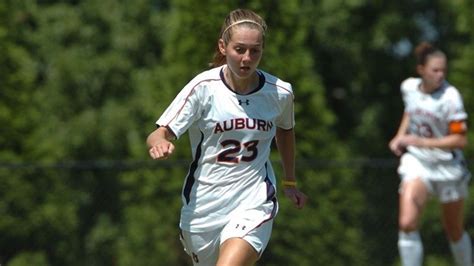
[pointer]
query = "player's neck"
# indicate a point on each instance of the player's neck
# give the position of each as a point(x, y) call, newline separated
point(241, 85)
point(425, 88)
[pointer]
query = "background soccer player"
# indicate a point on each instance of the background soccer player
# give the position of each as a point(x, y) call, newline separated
point(430, 137)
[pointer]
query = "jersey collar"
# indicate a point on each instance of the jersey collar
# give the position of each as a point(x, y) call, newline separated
point(261, 81)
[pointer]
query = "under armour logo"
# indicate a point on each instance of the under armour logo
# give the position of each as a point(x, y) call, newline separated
point(246, 102)
point(243, 226)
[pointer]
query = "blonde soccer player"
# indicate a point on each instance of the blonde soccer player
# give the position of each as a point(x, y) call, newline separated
point(232, 113)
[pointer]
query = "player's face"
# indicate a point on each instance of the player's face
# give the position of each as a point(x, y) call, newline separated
point(243, 52)
point(433, 73)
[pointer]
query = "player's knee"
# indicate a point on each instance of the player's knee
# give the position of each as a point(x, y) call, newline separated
point(454, 234)
point(407, 225)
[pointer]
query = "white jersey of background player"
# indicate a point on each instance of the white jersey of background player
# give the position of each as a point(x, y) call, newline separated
point(432, 133)
point(430, 117)
point(232, 113)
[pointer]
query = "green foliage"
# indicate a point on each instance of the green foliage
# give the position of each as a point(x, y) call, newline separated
point(29, 258)
point(82, 83)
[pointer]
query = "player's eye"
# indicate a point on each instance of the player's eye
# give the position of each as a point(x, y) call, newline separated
point(255, 51)
point(239, 50)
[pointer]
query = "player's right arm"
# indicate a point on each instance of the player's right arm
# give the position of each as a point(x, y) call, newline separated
point(395, 145)
point(159, 143)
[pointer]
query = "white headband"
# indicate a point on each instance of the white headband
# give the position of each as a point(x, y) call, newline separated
point(243, 21)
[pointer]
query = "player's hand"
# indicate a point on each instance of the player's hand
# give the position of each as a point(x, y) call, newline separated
point(396, 146)
point(297, 197)
point(161, 150)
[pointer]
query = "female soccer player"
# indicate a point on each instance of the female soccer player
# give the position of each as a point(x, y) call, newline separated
point(430, 139)
point(232, 113)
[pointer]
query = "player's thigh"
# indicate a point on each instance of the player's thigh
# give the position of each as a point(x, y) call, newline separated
point(248, 245)
point(413, 195)
point(452, 194)
point(237, 251)
point(415, 186)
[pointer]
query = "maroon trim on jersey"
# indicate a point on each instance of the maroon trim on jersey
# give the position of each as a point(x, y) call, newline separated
point(192, 169)
point(271, 196)
point(190, 92)
point(270, 187)
point(283, 88)
point(261, 82)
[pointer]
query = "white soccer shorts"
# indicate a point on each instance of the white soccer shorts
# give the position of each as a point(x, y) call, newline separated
point(448, 183)
point(204, 247)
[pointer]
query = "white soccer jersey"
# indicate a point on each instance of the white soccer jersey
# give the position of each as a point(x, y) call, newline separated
point(430, 115)
point(231, 136)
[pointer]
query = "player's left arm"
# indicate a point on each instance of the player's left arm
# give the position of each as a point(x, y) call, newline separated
point(457, 138)
point(285, 141)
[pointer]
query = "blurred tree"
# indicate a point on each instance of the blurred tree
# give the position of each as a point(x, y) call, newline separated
point(71, 68)
point(84, 82)
point(29, 214)
point(17, 76)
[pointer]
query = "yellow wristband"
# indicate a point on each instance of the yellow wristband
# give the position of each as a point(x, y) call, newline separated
point(289, 183)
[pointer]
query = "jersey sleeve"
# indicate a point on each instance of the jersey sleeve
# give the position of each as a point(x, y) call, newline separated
point(286, 120)
point(406, 88)
point(183, 111)
point(454, 107)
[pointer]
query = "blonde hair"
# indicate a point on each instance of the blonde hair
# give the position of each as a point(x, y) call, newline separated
point(237, 17)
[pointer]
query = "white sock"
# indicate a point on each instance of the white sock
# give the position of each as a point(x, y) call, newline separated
point(410, 248)
point(462, 251)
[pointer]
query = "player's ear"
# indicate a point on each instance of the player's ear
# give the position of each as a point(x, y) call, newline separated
point(419, 69)
point(221, 45)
